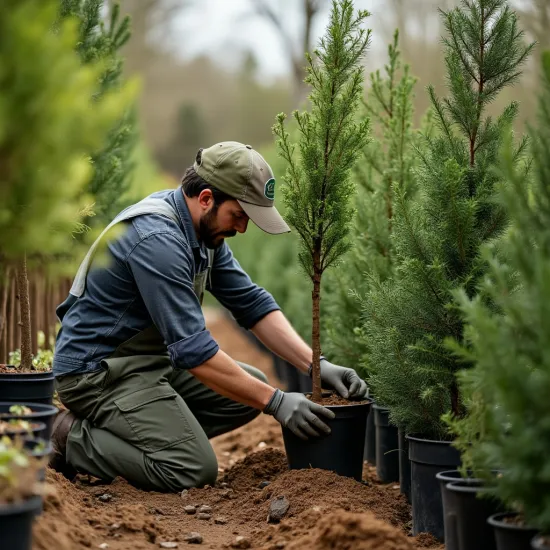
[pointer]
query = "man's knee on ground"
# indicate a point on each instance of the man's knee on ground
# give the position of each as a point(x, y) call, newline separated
point(182, 471)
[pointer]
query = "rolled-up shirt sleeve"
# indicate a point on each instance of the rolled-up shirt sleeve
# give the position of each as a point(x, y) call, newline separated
point(234, 289)
point(163, 267)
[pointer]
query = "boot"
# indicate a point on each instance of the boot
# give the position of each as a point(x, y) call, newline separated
point(60, 432)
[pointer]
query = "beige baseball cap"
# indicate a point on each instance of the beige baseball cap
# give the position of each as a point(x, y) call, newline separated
point(241, 172)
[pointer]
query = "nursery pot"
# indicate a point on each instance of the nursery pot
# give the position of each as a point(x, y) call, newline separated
point(16, 523)
point(34, 387)
point(38, 448)
point(370, 440)
point(509, 535)
point(428, 458)
point(341, 451)
point(40, 413)
point(36, 430)
point(387, 446)
point(473, 505)
point(404, 465)
point(449, 507)
point(540, 543)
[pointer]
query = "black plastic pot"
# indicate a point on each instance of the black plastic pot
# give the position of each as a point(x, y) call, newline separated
point(387, 446)
point(370, 440)
point(16, 523)
point(341, 451)
point(509, 536)
point(449, 507)
point(540, 543)
point(428, 458)
point(404, 465)
point(35, 431)
point(34, 387)
point(38, 448)
point(40, 413)
point(473, 506)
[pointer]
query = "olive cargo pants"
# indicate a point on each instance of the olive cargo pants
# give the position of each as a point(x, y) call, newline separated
point(147, 422)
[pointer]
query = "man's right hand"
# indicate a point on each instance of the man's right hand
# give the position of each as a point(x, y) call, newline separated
point(297, 413)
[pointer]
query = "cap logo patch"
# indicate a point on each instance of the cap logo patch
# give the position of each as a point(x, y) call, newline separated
point(269, 189)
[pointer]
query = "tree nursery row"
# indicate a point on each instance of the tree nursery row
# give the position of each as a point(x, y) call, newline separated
point(419, 256)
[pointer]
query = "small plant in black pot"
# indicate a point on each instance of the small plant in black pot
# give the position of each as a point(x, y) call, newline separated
point(508, 339)
point(317, 193)
point(20, 492)
point(437, 234)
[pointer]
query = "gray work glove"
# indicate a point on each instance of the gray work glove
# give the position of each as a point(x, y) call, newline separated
point(343, 380)
point(297, 413)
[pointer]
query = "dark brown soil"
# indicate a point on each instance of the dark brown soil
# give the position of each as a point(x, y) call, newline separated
point(326, 511)
point(335, 399)
point(10, 369)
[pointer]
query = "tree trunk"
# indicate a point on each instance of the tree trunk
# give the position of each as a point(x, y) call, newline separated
point(316, 338)
point(5, 288)
point(25, 308)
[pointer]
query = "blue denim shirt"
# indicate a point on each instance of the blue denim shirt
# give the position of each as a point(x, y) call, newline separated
point(148, 279)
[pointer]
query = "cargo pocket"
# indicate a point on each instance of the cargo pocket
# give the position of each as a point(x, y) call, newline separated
point(153, 418)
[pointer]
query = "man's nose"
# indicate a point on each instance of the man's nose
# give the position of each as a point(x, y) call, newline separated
point(241, 226)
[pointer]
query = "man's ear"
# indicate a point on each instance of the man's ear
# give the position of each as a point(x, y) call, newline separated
point(206, 199)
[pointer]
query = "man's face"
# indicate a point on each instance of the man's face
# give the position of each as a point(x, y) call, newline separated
point(218, 223)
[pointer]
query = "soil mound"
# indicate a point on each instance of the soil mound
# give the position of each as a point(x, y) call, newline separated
point(306, 489)
point(342, 530)
point(260, 466)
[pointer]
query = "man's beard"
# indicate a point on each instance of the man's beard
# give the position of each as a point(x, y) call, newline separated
point(208, 229)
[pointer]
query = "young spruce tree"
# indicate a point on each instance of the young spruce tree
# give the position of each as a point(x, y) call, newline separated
point(508, 339)
point(387, 160)
point(319, 187)
point(437, 234)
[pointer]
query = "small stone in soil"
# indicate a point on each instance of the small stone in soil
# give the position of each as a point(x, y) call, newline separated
point(262, 445)
point(115, 526)
point(277, 509)
point(224, 485)
point(220, 520)
point(280, 544)
point(190, 509)
point(106, 497)
point(184, 493)
point(204, 515)
point(168, 544)
point(193, 538)
point(240, 542)
point(264, 484)
point(103, 545)
point(395, 487)
point(205, 508)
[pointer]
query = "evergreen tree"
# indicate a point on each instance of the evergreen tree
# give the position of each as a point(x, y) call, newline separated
point(387, 160)
point(318, 185)
point(437, 234)
point(47, 126)
point(112, 161)
point(508, 339)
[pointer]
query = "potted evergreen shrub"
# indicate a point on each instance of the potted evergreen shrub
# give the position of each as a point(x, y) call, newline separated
point(507, 338)
point(317, 194)
point(437, 235)
point(387, 159)
point(37, 217)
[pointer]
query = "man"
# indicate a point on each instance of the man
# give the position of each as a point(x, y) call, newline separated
point(144, 382)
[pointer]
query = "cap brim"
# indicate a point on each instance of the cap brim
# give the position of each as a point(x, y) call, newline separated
point(267, 218)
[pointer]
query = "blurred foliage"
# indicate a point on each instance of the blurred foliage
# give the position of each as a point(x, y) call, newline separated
point(48, 126)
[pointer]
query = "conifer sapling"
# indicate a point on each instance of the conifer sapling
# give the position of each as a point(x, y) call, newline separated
point(318, 185)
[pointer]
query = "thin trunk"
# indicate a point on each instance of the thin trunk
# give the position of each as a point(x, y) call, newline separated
point(456, 409)
point(4, 299)
point(25, 308)
point(316, 337)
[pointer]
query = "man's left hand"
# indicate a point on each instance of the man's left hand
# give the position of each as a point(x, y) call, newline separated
point(345, 381)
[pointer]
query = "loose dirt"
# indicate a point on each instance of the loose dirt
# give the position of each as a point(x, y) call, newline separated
point(325, 511)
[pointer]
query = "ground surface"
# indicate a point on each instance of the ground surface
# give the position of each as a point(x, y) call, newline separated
point(325, 511)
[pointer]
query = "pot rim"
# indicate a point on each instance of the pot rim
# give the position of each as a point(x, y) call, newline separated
point(496, 521)
point(462, 486)
point(423, 440)
point(26, 505)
